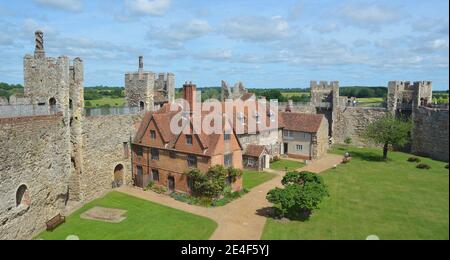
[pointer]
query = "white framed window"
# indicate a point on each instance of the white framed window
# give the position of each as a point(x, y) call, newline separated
point(287, 134)
point(299, 147)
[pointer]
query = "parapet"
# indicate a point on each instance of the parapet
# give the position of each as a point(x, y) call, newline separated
point(324, 85)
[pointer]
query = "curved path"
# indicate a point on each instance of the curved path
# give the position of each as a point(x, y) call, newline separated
point(242, 219)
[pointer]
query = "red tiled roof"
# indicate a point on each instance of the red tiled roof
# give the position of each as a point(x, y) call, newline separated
point(255, 150)
point(308, 123)
point(162, 120)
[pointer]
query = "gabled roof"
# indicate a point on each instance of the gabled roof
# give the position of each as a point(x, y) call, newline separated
point(255, 150)
point(299, 122)
point(162, 120)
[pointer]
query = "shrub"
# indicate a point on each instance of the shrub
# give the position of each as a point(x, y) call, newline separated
point(211, 184)
point(423, 166)
point(150, 185)
point(348, 141)
point(159, 189)
point(446, 166)
point(302, 193)
point(414, 159)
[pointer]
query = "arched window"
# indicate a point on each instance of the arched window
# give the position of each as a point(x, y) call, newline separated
point(52, 103)
point(23, 196)
point(142, 105)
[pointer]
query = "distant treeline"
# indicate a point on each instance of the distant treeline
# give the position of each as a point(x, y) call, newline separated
point(7, 90)
point(364, 92)
point(99, 92)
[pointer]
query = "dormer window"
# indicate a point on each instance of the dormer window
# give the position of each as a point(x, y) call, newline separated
point(241, 118)
point(189, 139)
point(153, 134)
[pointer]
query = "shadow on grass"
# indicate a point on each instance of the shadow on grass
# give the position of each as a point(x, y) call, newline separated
point(273, 213)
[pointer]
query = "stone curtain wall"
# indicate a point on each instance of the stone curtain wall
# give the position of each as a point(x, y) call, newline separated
point(352, 121)
point(34, 152)
point(103, 150)
point(430, 133)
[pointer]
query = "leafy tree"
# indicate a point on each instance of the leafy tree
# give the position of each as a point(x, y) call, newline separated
point(213, 183)
point(302, 193)
point(388, 131)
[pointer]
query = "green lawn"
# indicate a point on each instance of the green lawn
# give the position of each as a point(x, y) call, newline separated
point(370, 100)
point(253, 179)
point(106, 101)
point(393, 200)
point(145, 221)
point(281, 165)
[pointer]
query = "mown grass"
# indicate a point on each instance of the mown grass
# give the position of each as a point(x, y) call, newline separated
point(252, 179)
point(281, 165)
point(145, 221)
point(392, 200)
point(106, 101)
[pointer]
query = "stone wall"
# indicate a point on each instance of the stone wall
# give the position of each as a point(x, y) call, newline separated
point(34, 152)
point(430, 133)
point(352, 121)
point(104, 138)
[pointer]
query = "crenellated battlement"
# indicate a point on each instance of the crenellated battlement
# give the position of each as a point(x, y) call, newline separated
point(324, 85)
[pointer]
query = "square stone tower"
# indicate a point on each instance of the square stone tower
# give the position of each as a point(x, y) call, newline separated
point(404, 96)
point(147, 90)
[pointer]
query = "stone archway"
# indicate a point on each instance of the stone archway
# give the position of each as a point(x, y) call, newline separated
point(118, 176)
point(23, 196)
point(52, 104)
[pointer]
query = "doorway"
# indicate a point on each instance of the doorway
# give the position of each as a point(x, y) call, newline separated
point(286, 146)
point(171, 183)
point(118, 176)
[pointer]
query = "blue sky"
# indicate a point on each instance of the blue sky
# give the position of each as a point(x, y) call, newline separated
point(264, 43)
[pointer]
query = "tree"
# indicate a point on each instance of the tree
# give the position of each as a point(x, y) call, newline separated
point(302, 193)
point(388, 131)
point(213, 183)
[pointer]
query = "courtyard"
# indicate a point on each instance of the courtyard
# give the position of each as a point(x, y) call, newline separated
point(392, 200)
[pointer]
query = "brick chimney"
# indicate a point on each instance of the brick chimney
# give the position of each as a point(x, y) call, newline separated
point(190, 95)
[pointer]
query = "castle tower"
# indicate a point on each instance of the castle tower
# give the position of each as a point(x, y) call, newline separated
point(325, 98)
point(47, 80)
point(58, 84)
point(147, 90)
point(403, 97)
point(76, 108)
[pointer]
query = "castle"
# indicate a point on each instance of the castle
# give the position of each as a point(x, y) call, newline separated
point(55, 157)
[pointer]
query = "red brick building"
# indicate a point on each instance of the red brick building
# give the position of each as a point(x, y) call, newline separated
point(163, 157)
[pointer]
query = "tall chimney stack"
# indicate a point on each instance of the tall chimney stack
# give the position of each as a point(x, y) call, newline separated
point(39, 51)
point(190, 95)
point(141, 62)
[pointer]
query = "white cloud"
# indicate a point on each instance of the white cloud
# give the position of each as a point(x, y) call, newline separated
point(148, 7)
point(327, 28)
point(174, 36)
point(257, 28)
point(67, 5)
point(371, 16)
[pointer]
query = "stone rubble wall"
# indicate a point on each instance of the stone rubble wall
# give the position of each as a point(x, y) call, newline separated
point(430, 133)
point(34, 152)
point(352, 121)
point(103, 150)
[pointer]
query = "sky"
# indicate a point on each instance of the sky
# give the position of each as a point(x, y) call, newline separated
point(263, 43)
